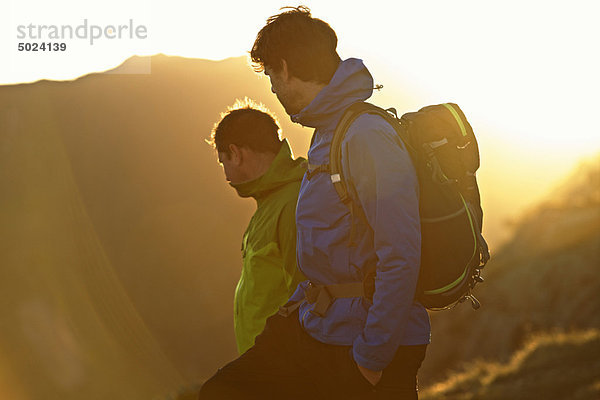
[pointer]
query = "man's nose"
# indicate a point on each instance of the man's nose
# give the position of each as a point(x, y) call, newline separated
point(272, 89)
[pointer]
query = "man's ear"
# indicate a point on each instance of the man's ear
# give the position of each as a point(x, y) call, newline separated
point(236, 154)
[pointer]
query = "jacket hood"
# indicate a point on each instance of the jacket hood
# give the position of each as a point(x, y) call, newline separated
point(352, 82)
point(283, 170)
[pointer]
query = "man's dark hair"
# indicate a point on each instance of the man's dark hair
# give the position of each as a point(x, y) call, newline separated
point(307, 44)
point(247, 124)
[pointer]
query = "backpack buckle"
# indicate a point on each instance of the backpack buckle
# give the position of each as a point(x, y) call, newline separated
point(320, 297)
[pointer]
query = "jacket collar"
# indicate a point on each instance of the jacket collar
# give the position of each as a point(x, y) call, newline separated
point(284, 169)
point(352, 82)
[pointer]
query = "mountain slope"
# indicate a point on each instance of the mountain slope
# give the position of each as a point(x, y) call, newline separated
point(550, 366)
point(547, 277)
point(120, 237)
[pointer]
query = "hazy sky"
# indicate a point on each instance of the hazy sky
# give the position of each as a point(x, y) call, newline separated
point(525, 72)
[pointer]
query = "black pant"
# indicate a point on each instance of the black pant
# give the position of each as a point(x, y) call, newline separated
point(287, 363)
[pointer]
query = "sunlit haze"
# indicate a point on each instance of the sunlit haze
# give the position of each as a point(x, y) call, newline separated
point(124, 245)
point(525, 72)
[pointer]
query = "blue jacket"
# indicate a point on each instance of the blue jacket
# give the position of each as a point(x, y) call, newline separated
point(383, 181)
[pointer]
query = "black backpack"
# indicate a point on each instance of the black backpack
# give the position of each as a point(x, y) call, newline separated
point(445, 154)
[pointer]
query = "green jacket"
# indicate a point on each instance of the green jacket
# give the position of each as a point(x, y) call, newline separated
point(269, 273)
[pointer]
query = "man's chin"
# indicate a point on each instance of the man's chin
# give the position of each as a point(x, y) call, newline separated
point(291, 110)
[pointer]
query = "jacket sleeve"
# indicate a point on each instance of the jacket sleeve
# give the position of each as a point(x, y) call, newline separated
point(381, 173)
point(286, 232)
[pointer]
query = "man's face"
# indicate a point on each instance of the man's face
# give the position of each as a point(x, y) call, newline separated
point(230, 167)
point(282, 86)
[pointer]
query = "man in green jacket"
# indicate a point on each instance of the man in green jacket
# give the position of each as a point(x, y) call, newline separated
point(260, 165)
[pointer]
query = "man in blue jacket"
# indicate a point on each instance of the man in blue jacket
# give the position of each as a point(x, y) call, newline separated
point(358, 347)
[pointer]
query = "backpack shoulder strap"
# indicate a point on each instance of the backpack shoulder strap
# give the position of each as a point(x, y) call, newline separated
point(335, 150)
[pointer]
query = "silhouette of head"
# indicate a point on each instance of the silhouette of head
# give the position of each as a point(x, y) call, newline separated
point(246, 138)
point(294, 49)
